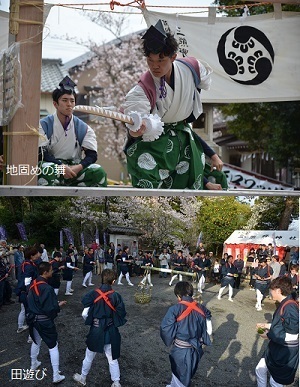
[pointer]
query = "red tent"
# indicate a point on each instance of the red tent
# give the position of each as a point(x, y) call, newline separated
point(241, 241)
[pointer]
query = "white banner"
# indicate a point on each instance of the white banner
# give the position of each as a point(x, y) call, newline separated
point(238, 178)
point(282, 238)
point(254, 59)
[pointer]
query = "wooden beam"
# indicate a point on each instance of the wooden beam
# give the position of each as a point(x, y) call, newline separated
point(22, 149)
point(128, 191)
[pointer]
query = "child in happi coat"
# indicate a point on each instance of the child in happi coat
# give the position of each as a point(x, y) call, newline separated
point(263, 275)
point(147, 261)
point(281, 358)
point(228, 273)
point(43, 308)
point(179, 262)
point(104, 311)
point(68, 272)
point(186, 327)
point(57, 266)
point(28, 273)
point(124, 268)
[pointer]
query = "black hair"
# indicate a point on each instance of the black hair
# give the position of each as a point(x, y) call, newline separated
point(183, 288)
point(44, 267)
point(30, 252)
point(168, 49)
point(108, 276)
point(57, 93)
point(57, 254)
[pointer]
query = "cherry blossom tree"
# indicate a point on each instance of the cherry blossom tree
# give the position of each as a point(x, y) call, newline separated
point(118, 66)
point(164, 221)
point(121, 66)
point(161, 219)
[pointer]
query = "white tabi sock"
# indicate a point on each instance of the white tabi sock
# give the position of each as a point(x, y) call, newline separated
point(35, 348)
point(221, 291)
point(127, 278)
point(68, 286)
point(87, 276)
point(21, 317)
point(114, 368)
point(87, 363)
point(120, 278)
point(172, 279)
point(230, 291)
point(54, 357)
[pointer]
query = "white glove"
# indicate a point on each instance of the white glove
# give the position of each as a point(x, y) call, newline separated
point(209, 327)
point(154, 127)
point(85, 313)
point(137, 121)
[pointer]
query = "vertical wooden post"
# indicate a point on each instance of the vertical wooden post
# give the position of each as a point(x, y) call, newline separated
point(23, 149)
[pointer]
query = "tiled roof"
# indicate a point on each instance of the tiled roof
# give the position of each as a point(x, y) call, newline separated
point(52, 73)
point(79, 60)
point(124, 230)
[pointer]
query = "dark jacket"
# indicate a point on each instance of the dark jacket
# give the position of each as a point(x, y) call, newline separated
point(104, 321)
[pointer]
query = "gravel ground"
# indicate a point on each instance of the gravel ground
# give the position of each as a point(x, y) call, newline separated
point(144, 361)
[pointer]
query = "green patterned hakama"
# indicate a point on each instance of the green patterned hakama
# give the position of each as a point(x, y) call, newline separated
point(92, 176)
point(174, 161)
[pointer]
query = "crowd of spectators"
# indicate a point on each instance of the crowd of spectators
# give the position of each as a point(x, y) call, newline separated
point(206, 265)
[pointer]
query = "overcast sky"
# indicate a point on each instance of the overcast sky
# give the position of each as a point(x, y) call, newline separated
point(62, 22)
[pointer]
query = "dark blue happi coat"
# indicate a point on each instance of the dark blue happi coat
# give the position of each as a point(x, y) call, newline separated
point(263, 272)
point(104, 321)
point(54, 281)
point(28, 270)
point(228, 268)
point(87, 265)
point(192, 330)
point(67, 271)
point(42, 310)
point(282, 357)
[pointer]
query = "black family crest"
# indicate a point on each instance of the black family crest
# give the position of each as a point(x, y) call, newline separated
point(246, 55)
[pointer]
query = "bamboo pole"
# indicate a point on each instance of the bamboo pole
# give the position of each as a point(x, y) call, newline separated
point(186, 273)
